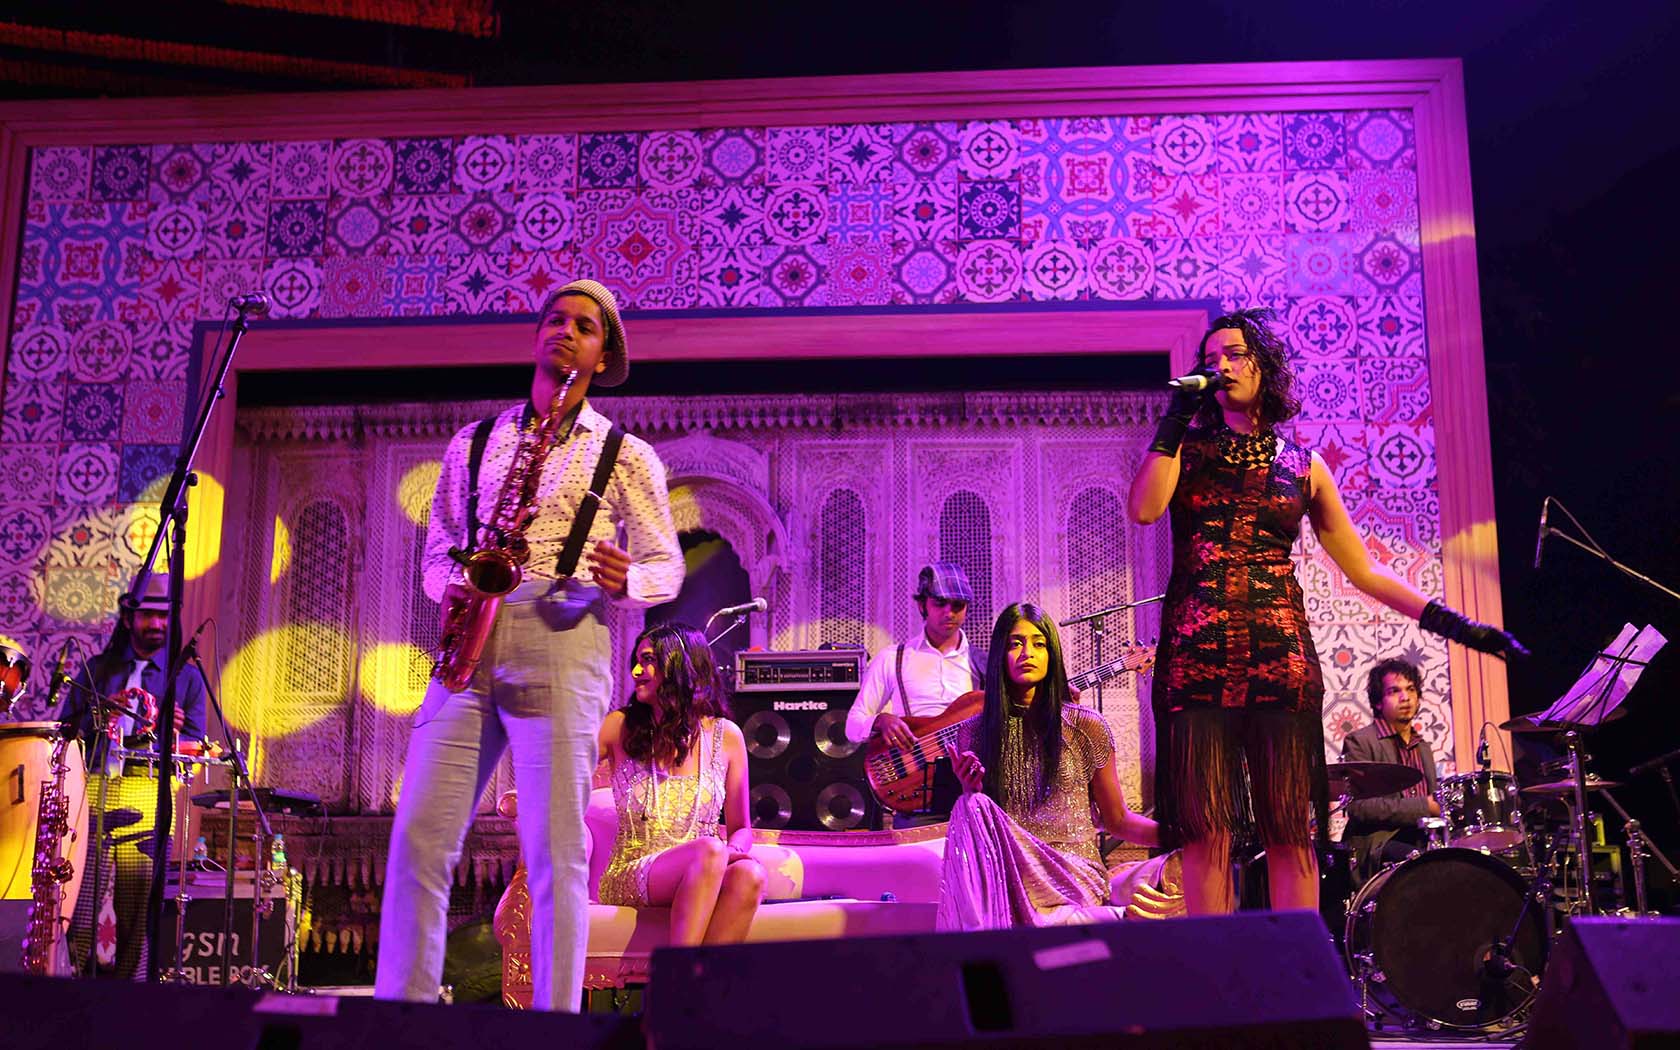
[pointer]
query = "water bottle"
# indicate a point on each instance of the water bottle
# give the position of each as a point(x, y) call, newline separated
point(200, 854)
point(277, 856)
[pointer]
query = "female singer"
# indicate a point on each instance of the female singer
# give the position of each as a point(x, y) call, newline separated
point(1237, 676)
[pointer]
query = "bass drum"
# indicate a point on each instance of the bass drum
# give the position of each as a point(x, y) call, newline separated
point(1423, 933)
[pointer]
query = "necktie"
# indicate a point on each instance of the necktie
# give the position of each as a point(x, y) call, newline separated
point(125, 723)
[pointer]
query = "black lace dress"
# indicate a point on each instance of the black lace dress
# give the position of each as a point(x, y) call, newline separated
point(1238, 688)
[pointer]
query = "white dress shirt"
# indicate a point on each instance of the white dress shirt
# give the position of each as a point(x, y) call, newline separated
point(635, 501)
point(931, 678)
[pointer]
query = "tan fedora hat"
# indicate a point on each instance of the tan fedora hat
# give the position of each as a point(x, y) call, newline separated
point(617, 348)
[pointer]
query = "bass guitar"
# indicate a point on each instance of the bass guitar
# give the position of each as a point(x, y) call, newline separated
point(902, 777)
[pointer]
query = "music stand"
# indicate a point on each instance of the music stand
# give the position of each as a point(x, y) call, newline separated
point(1589, 703)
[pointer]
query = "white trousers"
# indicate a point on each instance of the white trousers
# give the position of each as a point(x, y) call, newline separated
point(541, 690)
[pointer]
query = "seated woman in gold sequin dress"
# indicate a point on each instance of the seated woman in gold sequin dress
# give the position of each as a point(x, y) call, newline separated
point(1037, 772)
point(678, 764)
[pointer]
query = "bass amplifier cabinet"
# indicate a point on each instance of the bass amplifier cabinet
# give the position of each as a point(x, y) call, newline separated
point(805, 774)
point(204, 935)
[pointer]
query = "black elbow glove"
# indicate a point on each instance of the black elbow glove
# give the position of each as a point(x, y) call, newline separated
point(1181, 410)
point(1440, 618)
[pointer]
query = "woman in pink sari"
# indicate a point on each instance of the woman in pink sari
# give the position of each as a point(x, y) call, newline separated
point(1038, 774)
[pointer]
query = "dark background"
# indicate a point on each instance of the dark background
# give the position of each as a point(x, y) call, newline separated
point(1573, 146)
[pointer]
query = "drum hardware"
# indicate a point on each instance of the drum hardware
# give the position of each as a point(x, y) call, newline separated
point(1640, 849)
point(240, 786)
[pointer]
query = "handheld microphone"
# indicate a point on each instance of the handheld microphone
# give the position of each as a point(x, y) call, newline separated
point(58, 675)
point(1540, 538)
point(1199, 381)
point(756, 605)
point(251, 303)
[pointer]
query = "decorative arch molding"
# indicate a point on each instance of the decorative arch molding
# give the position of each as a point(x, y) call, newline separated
point(722, 486)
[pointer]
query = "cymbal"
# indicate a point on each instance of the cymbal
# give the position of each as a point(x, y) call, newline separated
point(1566, 787)
point(1370, 779)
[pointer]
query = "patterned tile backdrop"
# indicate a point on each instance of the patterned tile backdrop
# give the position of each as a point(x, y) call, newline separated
point(1314, 213)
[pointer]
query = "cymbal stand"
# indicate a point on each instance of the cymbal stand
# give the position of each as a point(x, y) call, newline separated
point(1640, 849)
point(1578, 817)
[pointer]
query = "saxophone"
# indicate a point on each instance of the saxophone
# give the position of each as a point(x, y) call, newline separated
point(52, 870)
point(496, 568)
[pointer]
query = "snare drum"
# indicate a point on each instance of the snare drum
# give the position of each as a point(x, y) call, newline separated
point(1483, 811)
point(26, 763)
point(1420, 935)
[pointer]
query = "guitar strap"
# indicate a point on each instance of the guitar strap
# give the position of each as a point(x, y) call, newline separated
point(903, 697)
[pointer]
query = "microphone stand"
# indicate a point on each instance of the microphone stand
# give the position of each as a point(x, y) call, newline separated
point(1597, 552)
point(1096, 620)
point(1660, 764)
point(239, 773)
point(172, 522)
point(736, 621)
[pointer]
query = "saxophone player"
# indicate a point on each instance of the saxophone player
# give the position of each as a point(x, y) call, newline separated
point(520, 486)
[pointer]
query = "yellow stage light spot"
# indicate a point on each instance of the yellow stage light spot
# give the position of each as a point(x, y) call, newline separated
point(281, 560)
point(685, 509)
point(204, 522)
point(282, 681)
point(394, 677)
point(414, 491)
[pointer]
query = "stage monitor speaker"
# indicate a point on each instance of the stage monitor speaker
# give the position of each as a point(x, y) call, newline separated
point(1610, 984)
point(54, 1013)
point(805, 774)
point(1246, 980)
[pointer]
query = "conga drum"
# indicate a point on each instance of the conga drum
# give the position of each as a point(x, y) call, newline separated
point(26, 764)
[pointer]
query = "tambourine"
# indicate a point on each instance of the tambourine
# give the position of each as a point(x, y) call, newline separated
point(137, 704)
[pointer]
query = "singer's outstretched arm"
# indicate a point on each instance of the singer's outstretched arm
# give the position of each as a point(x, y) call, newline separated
point(1341, 540)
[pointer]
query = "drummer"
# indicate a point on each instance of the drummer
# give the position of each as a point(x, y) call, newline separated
point(133, 661)
point(1384, 829)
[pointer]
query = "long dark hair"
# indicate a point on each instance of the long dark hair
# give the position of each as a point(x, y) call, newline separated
point(1043, 720)
point(690, 689)
point(1269, 353)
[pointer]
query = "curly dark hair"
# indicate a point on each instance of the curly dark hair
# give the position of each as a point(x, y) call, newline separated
point(1393, 665)
point(1269, 354)
point(1043, 719)
point(690, 689)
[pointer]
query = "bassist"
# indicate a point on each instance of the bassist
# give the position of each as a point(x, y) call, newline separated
point(921, 678)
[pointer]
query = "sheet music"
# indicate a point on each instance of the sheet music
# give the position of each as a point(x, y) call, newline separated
point(1618, 666)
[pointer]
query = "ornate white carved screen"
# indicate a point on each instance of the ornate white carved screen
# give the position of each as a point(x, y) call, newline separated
point(831, 502)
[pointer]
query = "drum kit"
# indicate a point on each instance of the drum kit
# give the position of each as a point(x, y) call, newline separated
point(1455, 936)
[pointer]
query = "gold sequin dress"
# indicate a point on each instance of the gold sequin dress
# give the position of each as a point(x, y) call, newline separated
point(1013, 863)
point(657, 810)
